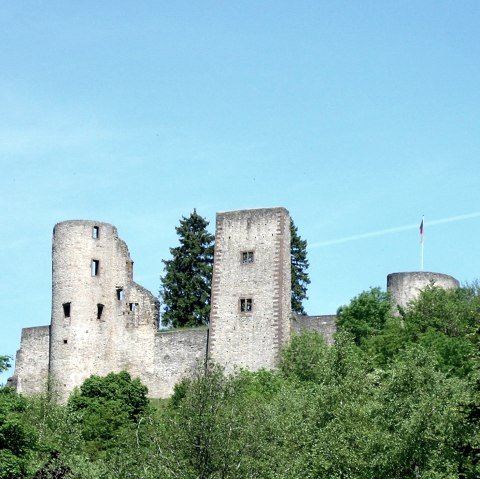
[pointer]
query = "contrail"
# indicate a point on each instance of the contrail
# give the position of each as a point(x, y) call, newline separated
point(395, 229)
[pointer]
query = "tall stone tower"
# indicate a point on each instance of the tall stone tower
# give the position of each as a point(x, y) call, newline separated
point(250, 317)
point(102, 321)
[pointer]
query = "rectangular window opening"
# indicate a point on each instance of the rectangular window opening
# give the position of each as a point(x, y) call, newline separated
point(66, 310)
point(95, 232)
point(95, 267)
point(133, 307)
point(120, 294)
point(65, 341)
point(99, 310)
point(247, 257)
point(246, 305)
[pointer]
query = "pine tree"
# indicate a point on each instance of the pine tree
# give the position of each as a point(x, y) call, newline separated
point(300, 279)
point(185, 288)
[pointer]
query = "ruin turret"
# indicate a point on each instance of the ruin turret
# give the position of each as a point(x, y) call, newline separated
point(102, 321)
point(405, 287)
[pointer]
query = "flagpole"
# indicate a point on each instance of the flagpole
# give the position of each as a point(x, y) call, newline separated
point(421, 264)
point(422, 226)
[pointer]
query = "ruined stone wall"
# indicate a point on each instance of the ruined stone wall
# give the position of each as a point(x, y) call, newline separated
point(177, 354)
point(405, 287)
point(31, 363)
point(250, 317)
point(324, 325)
point(101, 320)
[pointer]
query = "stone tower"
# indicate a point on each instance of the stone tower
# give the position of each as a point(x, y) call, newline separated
point(102, 321)
point(250, 317)
point(405, 287)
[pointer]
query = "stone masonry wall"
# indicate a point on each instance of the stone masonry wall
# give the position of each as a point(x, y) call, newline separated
point(324, 325)
point(177, 354)
point(250, 339)
point(31, 364)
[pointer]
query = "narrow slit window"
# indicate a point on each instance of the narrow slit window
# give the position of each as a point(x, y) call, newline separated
point(120, 294)
point(66, 310)
point(247, 257)
point(246, 305)
point(99, 310)
point(95, 232)
point(95, 267)
point(133, 307)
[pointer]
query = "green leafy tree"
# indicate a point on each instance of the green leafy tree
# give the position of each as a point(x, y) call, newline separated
point(366, 315)
point(4, 363)
point(299, 267)
point(404, 421)
point(304, 357)
point(60, 449)
point(470, 446)
point(447, 322)
point(226, 426)
point(186, 286)
point(131, 393)
point(442, 326)
point(17, 437)
point(107, 404)
point(419, 411)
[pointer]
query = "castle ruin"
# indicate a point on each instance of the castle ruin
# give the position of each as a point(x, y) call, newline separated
point(102, 321)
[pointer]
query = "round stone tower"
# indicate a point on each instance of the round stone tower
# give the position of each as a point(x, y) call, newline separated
point(405, 287)
point(95, 304)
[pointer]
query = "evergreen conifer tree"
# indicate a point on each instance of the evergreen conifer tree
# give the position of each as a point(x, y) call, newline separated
point(185, 288)
point(300, 279)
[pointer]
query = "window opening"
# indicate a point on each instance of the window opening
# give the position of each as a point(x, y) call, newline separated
point(95, 267)
point(246, 305)
point(95, 232)
point(247, 257)
point(65, 341)
point(99, 310)
point(66, 310)
point(133, 307)
point(120, 294)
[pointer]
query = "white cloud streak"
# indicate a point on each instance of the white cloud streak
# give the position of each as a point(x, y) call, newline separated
point(396, 229)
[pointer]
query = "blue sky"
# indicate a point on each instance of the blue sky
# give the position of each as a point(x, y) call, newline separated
point(358, 117)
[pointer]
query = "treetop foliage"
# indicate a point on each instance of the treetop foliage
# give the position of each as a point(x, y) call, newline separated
point(366, 315)
point(4, 363)
point(445, 321)
point(186, 285)
point(17, 437)
point(130, 393)
point(299, 266)
point(106, 405)
point(395, 397)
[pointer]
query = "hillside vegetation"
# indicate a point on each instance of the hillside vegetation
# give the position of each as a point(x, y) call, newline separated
point(397, 396)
